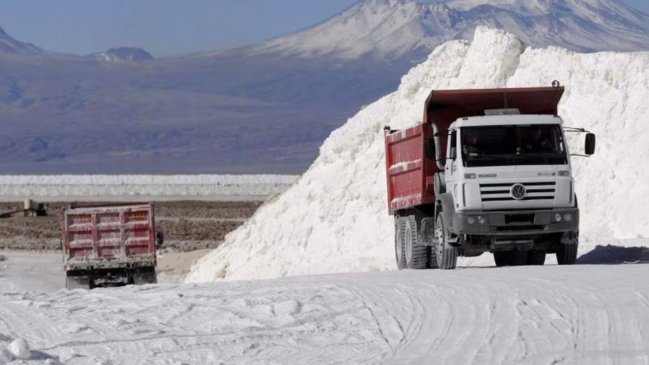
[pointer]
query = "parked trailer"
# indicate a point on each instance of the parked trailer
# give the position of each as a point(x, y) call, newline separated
point(109, 245)
point(486, 171)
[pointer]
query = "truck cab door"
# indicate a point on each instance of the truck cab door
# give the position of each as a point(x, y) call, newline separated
point(452, 166)
point(451, 158)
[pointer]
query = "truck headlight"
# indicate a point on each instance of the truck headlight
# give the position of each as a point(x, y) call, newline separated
point(567, 217)
point(470, 220)
point(557, 217)
point(481, 220)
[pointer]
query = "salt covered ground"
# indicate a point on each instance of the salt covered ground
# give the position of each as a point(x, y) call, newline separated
point(532, 315)
point(334, 218)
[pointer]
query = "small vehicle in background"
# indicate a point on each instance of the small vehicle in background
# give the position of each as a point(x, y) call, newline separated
point(109, 245)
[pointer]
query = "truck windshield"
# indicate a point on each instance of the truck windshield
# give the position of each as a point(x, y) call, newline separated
point(513, 145)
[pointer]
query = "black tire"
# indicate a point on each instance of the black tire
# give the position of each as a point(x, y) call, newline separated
point(431, 263)
point(145, 276)
point(567, 254)
point(398, 242)
point(416, 254)
point(445, 254)
point(536, 257)
point(503, 258)
point(568, 248)
point(77, 281)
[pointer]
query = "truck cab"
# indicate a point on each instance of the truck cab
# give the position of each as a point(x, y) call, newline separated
point(494, 175)
point(511, 188)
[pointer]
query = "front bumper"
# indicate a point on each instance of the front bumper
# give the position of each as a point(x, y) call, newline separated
point(516, 223)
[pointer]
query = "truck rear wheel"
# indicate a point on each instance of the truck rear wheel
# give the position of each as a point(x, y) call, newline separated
point(398, 242)
point(416, 254)
point(445, 254)
point(431, 263)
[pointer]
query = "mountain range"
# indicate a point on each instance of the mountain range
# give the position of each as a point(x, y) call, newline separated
point(263, 108)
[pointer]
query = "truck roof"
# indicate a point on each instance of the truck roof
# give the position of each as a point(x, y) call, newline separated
point(514, 119)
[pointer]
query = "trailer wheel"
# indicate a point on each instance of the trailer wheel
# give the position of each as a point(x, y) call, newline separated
point(536, 257)
point(416, 254)
point(445, 254)
point(77, 281)
point(398, 242)
point(144, 276)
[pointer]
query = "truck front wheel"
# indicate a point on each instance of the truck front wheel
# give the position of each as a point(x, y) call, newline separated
point(567, 249)
point(445, 254)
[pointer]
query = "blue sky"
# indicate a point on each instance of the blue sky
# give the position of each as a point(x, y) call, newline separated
point(164, 27)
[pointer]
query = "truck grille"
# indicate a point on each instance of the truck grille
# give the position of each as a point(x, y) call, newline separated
point(502, 192)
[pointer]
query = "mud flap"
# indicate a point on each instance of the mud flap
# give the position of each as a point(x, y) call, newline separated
point(144, 275)
point(77, 280)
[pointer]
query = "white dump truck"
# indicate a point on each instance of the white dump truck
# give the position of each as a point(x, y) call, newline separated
point(486, 171)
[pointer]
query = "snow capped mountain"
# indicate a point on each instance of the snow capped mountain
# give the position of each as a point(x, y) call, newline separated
point(123, 55)
point(395, 29)
point(245, 110)
point(11, 45)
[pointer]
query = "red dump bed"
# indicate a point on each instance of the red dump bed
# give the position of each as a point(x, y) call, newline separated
point(109, 236)
point(410, 175)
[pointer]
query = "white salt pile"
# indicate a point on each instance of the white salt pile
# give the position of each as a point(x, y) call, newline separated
point(334, 219)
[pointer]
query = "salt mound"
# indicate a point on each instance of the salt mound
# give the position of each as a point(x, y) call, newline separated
point(334, 219)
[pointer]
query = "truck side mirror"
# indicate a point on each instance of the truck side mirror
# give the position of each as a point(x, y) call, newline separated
point(429, 149)
point(590, 144)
